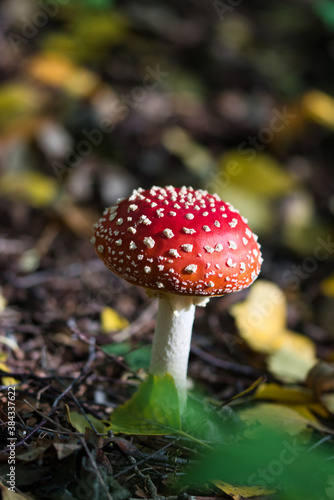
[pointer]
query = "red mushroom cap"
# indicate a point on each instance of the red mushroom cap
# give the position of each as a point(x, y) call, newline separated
point(178, 240)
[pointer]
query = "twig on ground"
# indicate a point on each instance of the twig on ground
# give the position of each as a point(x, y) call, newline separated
point(39, 394)
point(147, 458)
point(73, 327)
point(148, 481)
point(53, 409)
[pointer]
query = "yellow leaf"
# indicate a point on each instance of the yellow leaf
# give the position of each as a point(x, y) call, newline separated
point(294, 397)
point(50, 69)
point(17, 100)
point(80, 423)
point(34, 188)
point(3, 358)
point(327, 286)
point(251, 180)
point(259, 210)
point(262, 175)
point(278, 417)
point(305, 412)
point(112, 321)
point(57, 70)
point(239, 492)
point(261, 317)
point(247, 392)
point(286, 395)
point(7, 380)
point(261, 321)
point(293, 358)
point(319, 107)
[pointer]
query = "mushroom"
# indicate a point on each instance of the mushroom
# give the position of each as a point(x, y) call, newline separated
point(186, 246)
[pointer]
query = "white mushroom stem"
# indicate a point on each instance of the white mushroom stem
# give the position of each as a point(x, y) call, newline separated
point(172, 338)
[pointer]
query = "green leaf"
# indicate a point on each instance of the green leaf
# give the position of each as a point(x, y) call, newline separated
point(136, 358)
point(153, 410)
point(139, 358)
point(80, 423)
point(272, 460)
point(117, 348)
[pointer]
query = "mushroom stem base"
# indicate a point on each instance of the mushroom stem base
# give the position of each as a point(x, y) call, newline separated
point(171, 343)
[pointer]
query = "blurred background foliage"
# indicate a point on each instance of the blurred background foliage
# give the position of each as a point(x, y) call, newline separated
point(98, 97)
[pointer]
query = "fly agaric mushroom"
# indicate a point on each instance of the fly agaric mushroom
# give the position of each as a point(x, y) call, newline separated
point(185, 245)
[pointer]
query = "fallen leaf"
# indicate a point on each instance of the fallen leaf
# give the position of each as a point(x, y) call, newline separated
point(240, 492)
point(293, 359)
point(35, 453)
point(112, 321)
point(3, 357)
point(278, 417)
point(327, 286)
point(319, 107)
point(17, 100)
point(153, 410)
point(80, 423)
point(286, 395)
point(30, 186)
point(247, 392)
point(117, 348)
point(139, 358)
point(126, 447)
point(262, 175)
point(295, 397)
point(261, 317)
point(261, 320)
point(67, 448)
point(270, 459)
point(57, 70)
